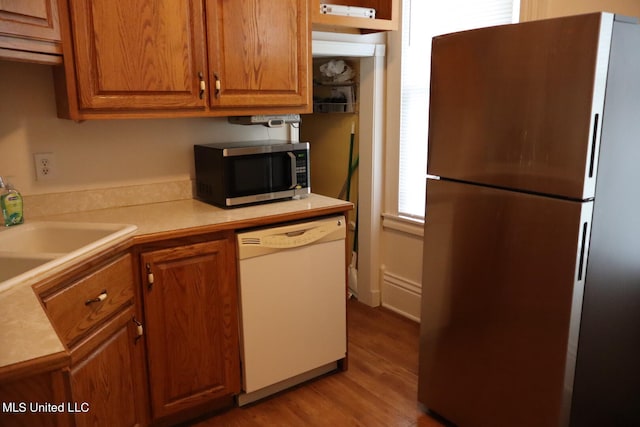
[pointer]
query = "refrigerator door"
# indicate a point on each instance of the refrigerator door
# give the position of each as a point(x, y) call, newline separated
point(502, 290)
point(519, 106)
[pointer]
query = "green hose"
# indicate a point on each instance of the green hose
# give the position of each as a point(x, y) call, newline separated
point(349, 167)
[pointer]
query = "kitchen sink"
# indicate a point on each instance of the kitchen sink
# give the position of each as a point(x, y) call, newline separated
point(35, 247)
point(56, 237)
point(12, 265)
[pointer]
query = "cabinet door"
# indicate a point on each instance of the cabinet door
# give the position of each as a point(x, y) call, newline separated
point(259, 53)
point(37, 19)
point(18, 395)
point(30, 31)
point(191, 325)
point(141, 55)
point(106, 384)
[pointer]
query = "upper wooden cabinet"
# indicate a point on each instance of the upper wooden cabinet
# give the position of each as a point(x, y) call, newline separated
point(259, 53)
point(139, 55)
point(30, 31)
point(387, 16)
point(153, 58)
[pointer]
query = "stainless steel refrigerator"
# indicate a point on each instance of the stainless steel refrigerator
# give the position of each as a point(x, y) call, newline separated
point(531, 276)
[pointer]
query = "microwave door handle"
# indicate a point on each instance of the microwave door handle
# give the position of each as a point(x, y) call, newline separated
point(294, 175)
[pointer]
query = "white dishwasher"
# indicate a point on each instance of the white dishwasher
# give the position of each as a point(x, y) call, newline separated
point(292, 281)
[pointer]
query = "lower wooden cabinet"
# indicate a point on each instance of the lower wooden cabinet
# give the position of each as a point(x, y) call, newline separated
point(117, 371)
point(17, 395)
point(92, 307)
point(106, 384)
point(191, 326)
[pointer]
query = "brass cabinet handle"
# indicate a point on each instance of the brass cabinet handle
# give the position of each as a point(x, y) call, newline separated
point(203, 85)
point(103, 296)
point(218, 85)
point(139, 328)
point(150, 278)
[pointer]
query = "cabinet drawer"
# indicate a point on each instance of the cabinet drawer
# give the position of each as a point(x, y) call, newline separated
point(79, 307)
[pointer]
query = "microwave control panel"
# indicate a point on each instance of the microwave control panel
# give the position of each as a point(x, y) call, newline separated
point(302, 169)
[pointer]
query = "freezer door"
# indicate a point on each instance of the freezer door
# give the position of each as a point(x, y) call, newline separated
point(520, 106)
point(501, 297)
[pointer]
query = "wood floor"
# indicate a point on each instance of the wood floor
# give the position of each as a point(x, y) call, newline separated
point(378, 389)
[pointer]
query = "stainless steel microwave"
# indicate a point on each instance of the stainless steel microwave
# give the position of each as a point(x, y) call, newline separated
point(242, 173)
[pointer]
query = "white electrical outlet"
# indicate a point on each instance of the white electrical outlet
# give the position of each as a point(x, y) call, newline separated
point(45, 166)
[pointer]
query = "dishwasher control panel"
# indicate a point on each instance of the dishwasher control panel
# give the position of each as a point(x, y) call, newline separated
point(262, 241)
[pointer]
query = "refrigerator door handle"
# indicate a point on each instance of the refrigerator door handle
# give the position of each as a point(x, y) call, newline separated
point(583, 245)
point(594, 142)
point(582, 257)
point(584, 234)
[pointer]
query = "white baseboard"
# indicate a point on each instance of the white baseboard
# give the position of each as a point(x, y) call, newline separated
point(401, 295)
point(370, 297)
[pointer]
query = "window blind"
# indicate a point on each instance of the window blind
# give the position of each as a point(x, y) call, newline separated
point(422, 20)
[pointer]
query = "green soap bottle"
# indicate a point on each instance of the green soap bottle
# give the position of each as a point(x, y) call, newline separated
point(11, 204)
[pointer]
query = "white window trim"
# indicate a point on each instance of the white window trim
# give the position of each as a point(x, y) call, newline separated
point(391, 218)
point(403, 224)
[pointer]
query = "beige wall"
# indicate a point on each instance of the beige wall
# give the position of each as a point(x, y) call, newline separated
point(539, 9)
point(329, 135)
point(98, 153)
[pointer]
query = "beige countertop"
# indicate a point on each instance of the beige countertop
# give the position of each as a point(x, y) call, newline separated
point(194, 216)
point(25, 331)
